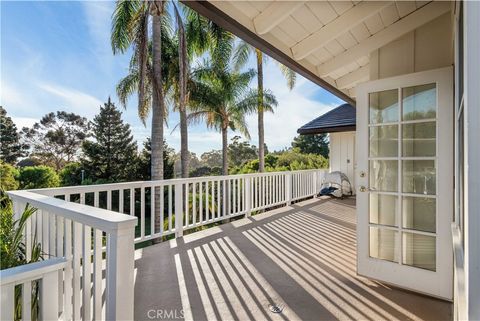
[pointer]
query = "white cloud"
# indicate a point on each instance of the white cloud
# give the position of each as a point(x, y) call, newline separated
point(76, 101)
point(98, 19)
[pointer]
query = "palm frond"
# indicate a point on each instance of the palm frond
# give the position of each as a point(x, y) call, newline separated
point(122, 34)
point(289, 75)
point(241, 54)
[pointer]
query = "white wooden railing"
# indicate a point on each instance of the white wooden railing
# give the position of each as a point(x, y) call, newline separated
point(81, 234)
point(87, 224)
point(202, 200)
point(44, 272)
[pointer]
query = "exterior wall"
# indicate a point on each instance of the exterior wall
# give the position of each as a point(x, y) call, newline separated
point(342, 154)
point(428, 47)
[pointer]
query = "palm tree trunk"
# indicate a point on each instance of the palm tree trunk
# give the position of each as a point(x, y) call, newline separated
point(158, 107)
point(261, 133)
point(224, 150)
point(184, 142)
point(183, 66)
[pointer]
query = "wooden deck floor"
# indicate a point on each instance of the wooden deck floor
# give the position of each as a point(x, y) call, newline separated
point(300, 258)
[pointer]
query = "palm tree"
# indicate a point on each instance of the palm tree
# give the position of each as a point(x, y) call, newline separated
point(221, 97)
point(242, 53)
point(130, 25)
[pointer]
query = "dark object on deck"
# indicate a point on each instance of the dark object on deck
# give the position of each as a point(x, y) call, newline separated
point(335, 184)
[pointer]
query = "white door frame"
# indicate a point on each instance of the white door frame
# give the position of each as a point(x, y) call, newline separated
point(438, 283)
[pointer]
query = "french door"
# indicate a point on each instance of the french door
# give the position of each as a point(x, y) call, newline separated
point(405, 180)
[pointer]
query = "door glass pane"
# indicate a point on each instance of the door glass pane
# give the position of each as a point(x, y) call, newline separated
point(384, 141)
point(419, 213)
point(419, 177)
point(419, 102)
point(383, 244)
point(384, 175)
point(383, 209)
point(383, 106)
point(419, 139)
point(419, 251)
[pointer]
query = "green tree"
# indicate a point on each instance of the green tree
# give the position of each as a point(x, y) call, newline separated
point(144, 161)
point(11, 148)
point(38, 177)
point(242, 53)
point(71, 174)
point(8, 175)
point(312, 144)
point(57, 138)
point(112, 154)
point(212, 158)
point(240, 152)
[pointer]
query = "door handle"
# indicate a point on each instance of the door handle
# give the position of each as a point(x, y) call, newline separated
point(365, 189)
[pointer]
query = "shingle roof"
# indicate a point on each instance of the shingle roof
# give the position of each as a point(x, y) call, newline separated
point(340, 119)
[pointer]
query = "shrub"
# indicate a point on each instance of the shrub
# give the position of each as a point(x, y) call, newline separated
point(8, 175)
point(71, 174)
point(38, 177)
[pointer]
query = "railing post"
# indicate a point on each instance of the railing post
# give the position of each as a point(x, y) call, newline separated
point(120, 274)
point(178, 210)
point(288, 188)
point(248, 196)
point(315, 180)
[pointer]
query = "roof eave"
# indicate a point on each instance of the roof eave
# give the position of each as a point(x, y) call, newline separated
point(205, 8)
point(336, 129)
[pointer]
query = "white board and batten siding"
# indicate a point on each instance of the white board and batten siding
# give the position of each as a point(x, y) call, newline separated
point(342, 154)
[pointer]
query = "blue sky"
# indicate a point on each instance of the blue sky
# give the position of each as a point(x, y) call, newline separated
point(57, 56)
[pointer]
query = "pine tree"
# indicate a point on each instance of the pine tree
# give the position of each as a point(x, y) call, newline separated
point(10, 146)
point(112, 156)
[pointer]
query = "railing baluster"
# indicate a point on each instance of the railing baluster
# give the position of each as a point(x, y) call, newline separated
point(8, 301)
point(87, 270)
point(207, 202)
point(162, 208)
point(121, 196)
point(97, 277)
point(152, 210)
point(132, 201)
point(109, 200)
point(142, 213)
point(45, 235)
point(187, 202)
point(52, 236)
point(49, 287)
point(170, 208)
point(60, 253)
point(194, 199)
point(77, 246)
point(200, 216)
point(26, 301)
point(218, 200)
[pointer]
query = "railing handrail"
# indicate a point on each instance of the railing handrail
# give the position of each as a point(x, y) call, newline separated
point(139, 184)
point(31, 271)
point(106, 220)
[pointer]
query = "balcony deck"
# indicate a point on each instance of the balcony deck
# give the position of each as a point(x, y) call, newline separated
point(301, 258)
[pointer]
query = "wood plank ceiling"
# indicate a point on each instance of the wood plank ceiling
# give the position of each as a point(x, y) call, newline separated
point(332, 39)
